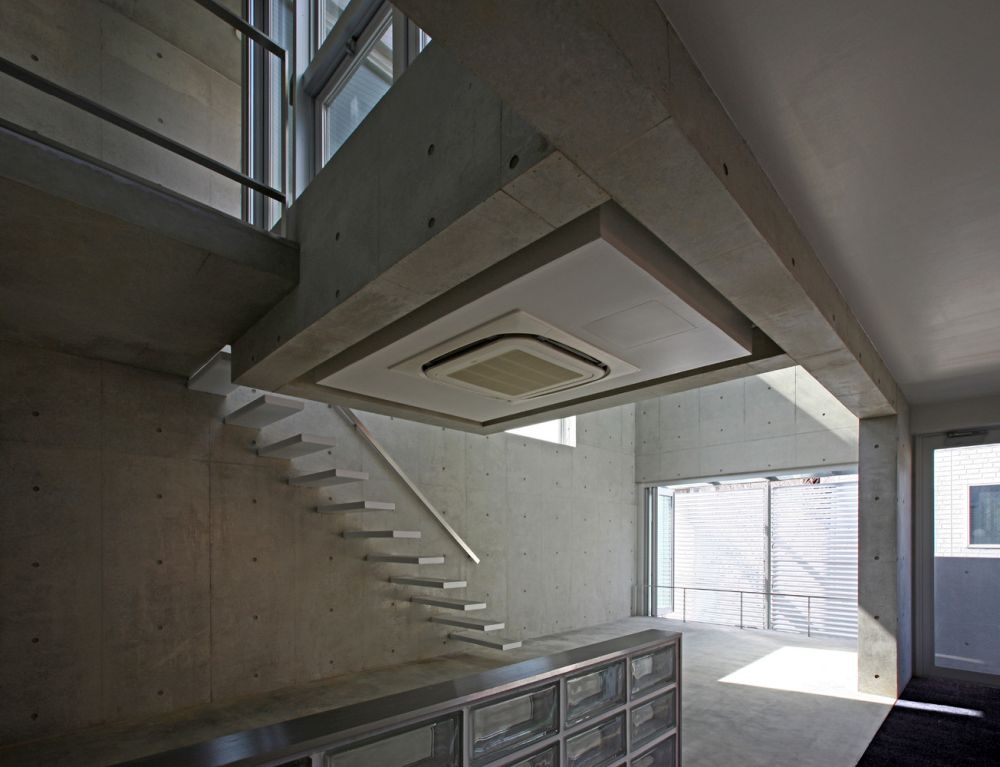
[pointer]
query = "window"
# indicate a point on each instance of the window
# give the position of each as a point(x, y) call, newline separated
point(348, 99)
point(984, 515)
point(561, 431)
point(362, 47)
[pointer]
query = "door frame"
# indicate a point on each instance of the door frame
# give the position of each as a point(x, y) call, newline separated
point(923, 551)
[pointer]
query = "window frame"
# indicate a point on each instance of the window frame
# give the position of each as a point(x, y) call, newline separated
point(362, 45)
point(567, 431)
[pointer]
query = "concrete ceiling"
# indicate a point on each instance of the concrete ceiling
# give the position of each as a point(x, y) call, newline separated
point(878, 125)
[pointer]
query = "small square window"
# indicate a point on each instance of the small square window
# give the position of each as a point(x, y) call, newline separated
point(984, 515)
point(562, 431)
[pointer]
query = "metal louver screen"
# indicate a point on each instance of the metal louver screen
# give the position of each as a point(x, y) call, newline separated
point(720, 543)
point(814, 551)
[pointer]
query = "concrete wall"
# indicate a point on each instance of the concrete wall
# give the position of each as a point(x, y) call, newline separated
point(774, 421)
point(172, 67)
point(150, 561)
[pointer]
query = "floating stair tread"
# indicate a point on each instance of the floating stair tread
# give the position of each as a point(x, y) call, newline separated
point(328, 477)
point(296, 447)
point(431, 583)
point(462, 605)
point(381, 533)
point(356, 506)
point(263, 411)
point(487, 640)
point(215, 376)
point(408, 559)
point(468, 622)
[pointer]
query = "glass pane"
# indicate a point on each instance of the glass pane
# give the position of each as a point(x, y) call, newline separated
point(329, 12)
point(432, 745)
point(652, 670)
point(510, 724)
point(547, 758)
point(661, 755)
point(967, 558)
point(350, 103)
point(654, 718)
point(594, 692)
point(597, 746)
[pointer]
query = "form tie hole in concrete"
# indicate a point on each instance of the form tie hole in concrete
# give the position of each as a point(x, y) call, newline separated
point(159, 692)
point(34, 640)
point(337, 293)
point(34, 564)
point(159, 55)
point(876, 558)
point(159, 495)
point(35, 715)
point(514, 161)
point(254, 559)
point(255, 617)
point(876, 497)
point(430, 222)
point(876, 617)
point(876, 447)
point(430, 150)
point(337, 236)
point(36, 488)
point(35, 413)
point(159, 120)
point(159, 430)
point(793, 262)
point(725, 169)
point(34, 58)
point(876, 676)
point(159, 561)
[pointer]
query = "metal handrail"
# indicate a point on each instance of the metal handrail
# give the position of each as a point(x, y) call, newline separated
point(352, 418)
point(98, 110)
point(742, 592)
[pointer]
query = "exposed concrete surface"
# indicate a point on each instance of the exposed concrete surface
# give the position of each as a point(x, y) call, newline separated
point(613, 88)
point(150, 561)
point(777, 421)
point(397, 217)
point(99, 263)
point(821, 723)
point(175, 70)
point(885, 520)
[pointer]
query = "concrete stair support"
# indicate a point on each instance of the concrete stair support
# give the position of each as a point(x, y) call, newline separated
point(429, 583)
point(353, 506)
point(407, 559)
point(215, 376)
point(468, 622)
point(462, 605)
point(328, 477)
point(381, 533)
point(263, 411)
point(296, 446)
point(485, 640)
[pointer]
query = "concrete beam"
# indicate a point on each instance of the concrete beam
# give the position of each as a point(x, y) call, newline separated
point(613, 89)
point(400, 215)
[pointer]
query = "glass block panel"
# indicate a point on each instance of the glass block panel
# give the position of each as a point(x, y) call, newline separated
point(654, 717)
point(594, 692)
point(547, 758)
point(350, 103)
point(597, 746)
point(504, 726)
point(661, 755)
point(655, 669)
point(431, 745)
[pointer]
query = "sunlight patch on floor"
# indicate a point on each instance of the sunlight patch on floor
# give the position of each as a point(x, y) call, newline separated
point(810, 670)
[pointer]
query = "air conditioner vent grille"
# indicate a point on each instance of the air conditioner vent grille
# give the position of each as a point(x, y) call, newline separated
point(515, 367)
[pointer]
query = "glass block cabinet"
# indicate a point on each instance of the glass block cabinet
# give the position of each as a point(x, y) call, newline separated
point(610, 704)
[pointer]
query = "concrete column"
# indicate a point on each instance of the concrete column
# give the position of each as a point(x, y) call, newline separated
point(884, 554)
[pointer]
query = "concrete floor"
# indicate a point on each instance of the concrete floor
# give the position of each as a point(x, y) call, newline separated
point(749, 698)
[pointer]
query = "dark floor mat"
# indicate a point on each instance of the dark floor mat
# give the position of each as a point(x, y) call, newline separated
point(939, 722)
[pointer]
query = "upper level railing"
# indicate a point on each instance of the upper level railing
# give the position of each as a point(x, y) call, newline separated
point(90, 106)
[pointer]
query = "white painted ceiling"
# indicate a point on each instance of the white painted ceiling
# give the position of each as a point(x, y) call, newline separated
point(879, 125)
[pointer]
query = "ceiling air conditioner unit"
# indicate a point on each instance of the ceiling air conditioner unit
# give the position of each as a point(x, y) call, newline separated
point(515, 367)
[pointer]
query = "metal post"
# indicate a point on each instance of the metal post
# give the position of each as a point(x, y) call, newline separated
point(808, 616)
point(741, 609)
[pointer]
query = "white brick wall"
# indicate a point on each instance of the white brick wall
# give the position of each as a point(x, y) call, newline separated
point(955, 470)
